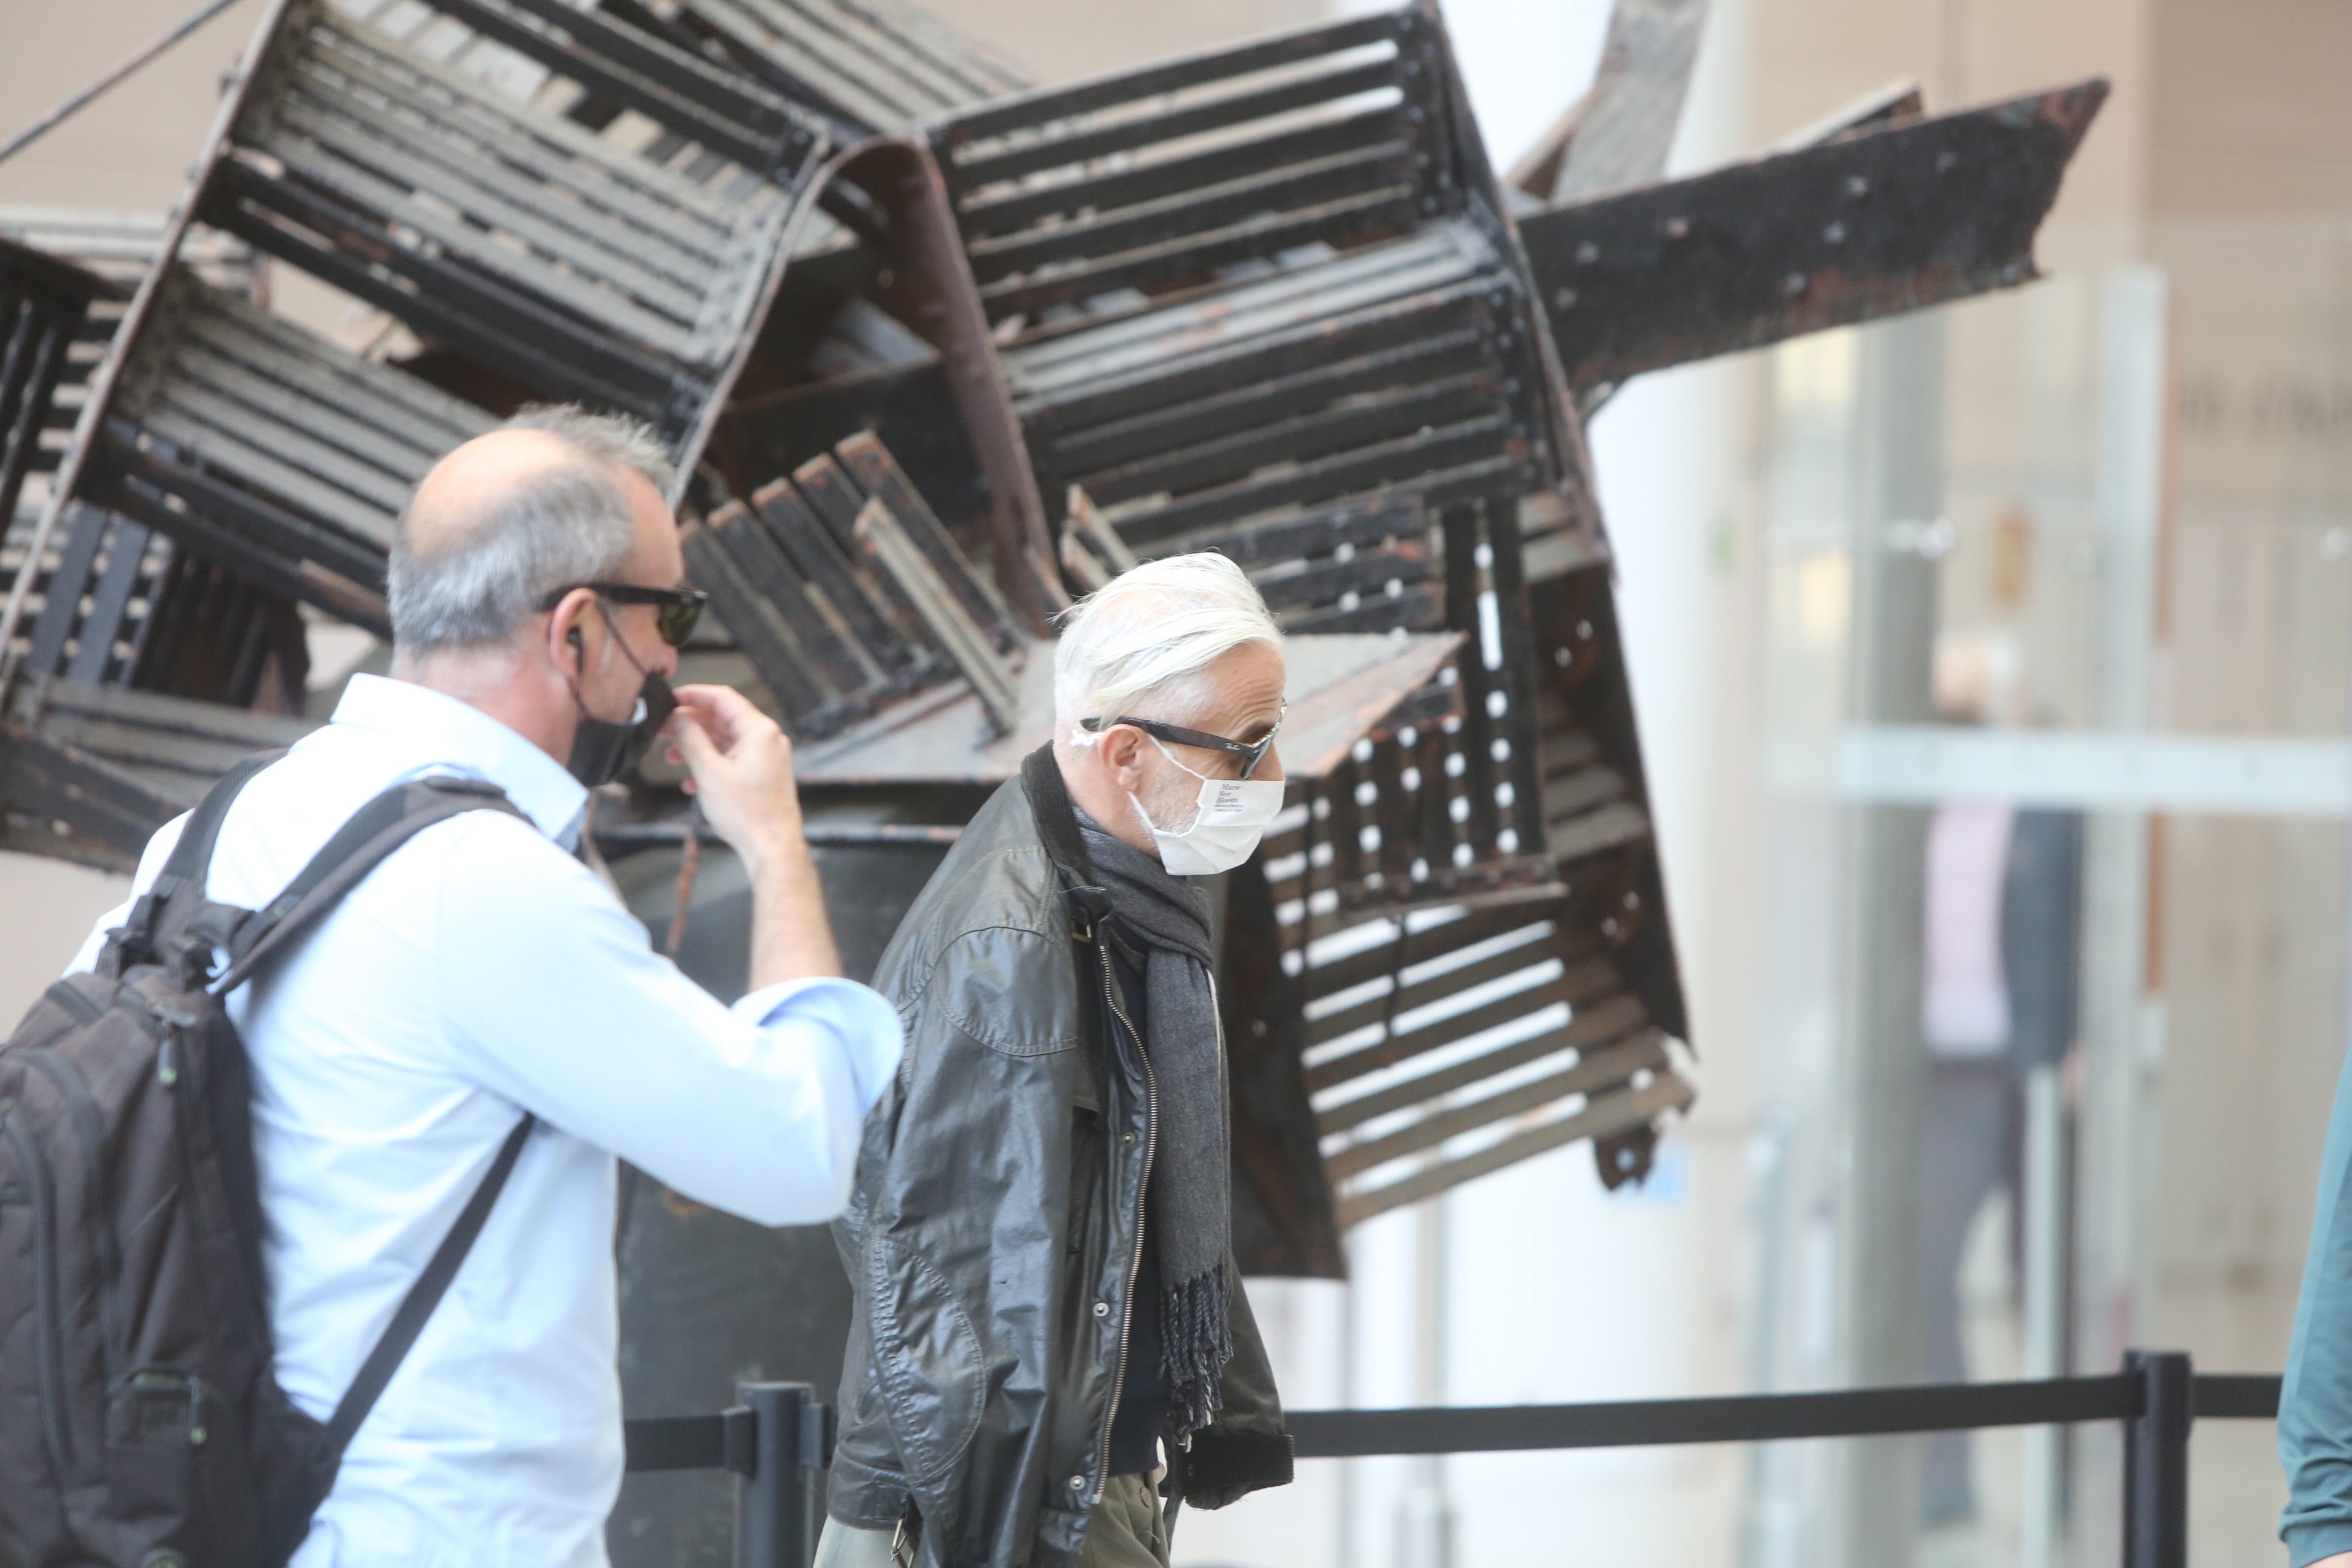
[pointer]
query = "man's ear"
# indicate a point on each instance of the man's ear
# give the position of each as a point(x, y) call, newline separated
point(569, 629)
point(1120, 747)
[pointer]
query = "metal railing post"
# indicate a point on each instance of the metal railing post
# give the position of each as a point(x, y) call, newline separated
point(777, 1515)
point(2156, 1460)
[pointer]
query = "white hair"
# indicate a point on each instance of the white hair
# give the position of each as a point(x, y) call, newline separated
point(564, 524)
point(1143, 642)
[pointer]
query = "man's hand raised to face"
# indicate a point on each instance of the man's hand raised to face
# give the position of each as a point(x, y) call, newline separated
point(741, 765)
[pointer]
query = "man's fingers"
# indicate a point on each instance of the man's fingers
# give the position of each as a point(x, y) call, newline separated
point(700, 751)
point(730, 717)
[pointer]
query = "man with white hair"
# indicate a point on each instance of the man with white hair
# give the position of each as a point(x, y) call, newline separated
point(1048, 1316)
point(482, 1002)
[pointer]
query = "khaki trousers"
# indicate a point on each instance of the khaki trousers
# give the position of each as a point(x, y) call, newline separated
point(1127, 1531)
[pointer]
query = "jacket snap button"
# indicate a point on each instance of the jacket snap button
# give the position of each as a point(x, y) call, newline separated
point(1102, 1309)
point(1127, 1138)
point(1077, 1483)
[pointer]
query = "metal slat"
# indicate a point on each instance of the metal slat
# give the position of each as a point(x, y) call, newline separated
point(1421, 608)
point(986, 216)
point(1168, 219)
point(1279, 378)
point(1358, 524)
point(1046, 105)
point(845, 667)
point(1338, 427)
point(507, 332)
point(956, 632)
point(462, 241)
point(887, 51)
point(978, 172)
point(124, 743)
point(825, 490)
point(630, 258)
point(354, 434)
point(257, 536)
point(1432, 988)
point(1601, 1117)
point(1349, 473)
point(62, 593)
point(551, 149)
point(1584, 981)
point(403, 75)
point(1366, 573)
point(718, 109)
point(1599, 1070)
point(780, 44)
point(821, 561)
point(211, 442)
point(1593, 1025)
point(428, 417)
point(1216, 334)
point(878, 472)
point(1611, 826)
point(155, 713)
point(774, 650)
point(94, 642)
point(1349, 220)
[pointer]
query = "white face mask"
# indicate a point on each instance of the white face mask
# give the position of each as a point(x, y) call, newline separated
point(1225, 830)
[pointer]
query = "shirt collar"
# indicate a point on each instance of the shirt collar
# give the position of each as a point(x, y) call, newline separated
point(442, 732)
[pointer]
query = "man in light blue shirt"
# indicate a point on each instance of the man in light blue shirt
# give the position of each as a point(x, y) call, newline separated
point(483, 972)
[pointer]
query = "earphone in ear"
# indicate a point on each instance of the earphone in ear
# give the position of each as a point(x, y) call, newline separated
point(579, 647)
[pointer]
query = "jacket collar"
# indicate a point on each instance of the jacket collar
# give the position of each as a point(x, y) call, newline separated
point(1057, 830)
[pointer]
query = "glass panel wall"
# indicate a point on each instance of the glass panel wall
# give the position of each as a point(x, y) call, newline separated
point(2054, 598)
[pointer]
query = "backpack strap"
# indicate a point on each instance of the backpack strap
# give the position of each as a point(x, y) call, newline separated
point(362, 844)
point(184, 870)
point(422, 1297)
point(252, 937)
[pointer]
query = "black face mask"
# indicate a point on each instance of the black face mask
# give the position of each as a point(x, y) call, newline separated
point(601, 750)
point(604, 749)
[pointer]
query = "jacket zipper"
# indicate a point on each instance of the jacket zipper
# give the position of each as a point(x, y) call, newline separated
point(51, 1311)
point(1135, 1262)
point(84, 1106)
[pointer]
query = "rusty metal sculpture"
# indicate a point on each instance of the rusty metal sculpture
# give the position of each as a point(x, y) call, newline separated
point(1270, 299)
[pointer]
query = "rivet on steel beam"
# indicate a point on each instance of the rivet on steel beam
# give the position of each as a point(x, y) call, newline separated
point(1587, 253)
point(1857, 186)
point(1677, 227)
point(1795, 283)
point(1834, 234)
point(1564, 299)
point(1947, 162)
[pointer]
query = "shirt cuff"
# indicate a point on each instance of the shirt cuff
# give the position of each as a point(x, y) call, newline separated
point(2307, 1543)
point(866, 1025)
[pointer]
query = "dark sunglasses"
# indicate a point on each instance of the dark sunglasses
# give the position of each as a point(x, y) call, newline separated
point(1252, 753)
point(677, 611)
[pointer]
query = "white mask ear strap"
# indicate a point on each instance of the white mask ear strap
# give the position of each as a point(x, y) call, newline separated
point(1171, 757)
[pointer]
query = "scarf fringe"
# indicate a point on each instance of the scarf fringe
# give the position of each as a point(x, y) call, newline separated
point(1196, 1341)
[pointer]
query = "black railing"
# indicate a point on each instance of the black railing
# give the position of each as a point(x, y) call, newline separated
point(2158, 1397)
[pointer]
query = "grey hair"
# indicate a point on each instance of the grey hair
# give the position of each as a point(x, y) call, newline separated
point(566, 523)
point(1141, 643)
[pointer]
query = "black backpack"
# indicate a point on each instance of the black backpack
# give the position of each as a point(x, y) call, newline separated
point(141, 1421)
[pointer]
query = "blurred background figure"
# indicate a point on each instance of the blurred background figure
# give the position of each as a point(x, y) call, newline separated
point(2004, 897)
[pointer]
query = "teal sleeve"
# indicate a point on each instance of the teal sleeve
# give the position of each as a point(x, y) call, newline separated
point(2315, 1428)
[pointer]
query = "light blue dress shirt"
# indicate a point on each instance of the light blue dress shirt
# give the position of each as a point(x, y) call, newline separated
point(479, 973)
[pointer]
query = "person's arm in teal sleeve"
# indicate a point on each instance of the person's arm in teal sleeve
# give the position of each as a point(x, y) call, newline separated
point(2315, 1428)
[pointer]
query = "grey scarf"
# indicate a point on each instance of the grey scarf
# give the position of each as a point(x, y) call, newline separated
point(1190, 1207)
